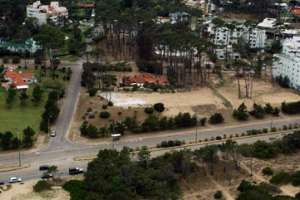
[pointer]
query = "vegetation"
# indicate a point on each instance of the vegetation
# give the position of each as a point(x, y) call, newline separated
point(267, 171)
point(104, 115)
point(41, 186)
point(291, 108)
point(76, 188)
point(170, 143)
point(216, 118)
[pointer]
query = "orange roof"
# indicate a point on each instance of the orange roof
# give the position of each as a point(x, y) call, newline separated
point(295, 11)
point(18, 78)
point(145, 78)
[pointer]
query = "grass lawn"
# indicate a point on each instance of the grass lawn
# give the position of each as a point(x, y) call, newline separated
point(18, 117)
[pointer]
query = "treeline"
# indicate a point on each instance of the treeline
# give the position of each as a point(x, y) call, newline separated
point(9, 141)
point(258, 111)
point(291, 108)
point(264, 150)
point(51, 111)
point(147, 178)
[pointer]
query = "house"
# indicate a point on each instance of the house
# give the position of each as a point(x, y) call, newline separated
point(144, 78)
point(287, 63)
point(179, 17)
point(18, 80)
point(42, 13)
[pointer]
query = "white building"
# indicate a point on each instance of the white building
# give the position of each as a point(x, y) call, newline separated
point(287, 63)
point(268, 23)
point(44, 12)
point(256, 38)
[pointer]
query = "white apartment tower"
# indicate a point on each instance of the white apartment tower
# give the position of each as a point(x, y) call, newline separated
point(287, 63)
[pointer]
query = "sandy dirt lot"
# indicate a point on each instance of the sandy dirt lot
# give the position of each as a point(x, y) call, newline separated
point(174, 102)
point(25, 192)
point(263, 92)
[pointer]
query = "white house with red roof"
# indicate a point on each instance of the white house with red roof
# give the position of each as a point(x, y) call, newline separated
point(18, 80)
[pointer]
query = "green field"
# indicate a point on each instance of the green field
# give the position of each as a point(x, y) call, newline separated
point(18, 117)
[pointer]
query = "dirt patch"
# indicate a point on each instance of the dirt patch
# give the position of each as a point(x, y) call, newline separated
point(25, 192)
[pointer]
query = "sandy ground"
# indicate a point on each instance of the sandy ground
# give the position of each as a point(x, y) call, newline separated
point(263, 92)
point(24, 192)
point(174, 102)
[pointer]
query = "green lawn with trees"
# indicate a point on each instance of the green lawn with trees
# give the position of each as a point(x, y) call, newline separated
point(16, 117)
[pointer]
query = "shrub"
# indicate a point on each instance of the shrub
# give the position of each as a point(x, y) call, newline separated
point(41, 185)
point(16, 60)
point(92, 92)
point(218, 138)
point(110, 103)
point(203, 121)
point(159, 107)
point(267, 171)
point(76, 189)
point(218, 195)
point(104, 115)
point(216, 118)
point(280, 178)
point(149, 110)
point(296, 178)
point(104, 107)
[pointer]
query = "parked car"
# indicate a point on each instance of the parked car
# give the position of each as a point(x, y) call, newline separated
point(44, 167)
point(53, 133)
point(75, 170)
point(15, 179)
point(47, 176)
point(2, 183)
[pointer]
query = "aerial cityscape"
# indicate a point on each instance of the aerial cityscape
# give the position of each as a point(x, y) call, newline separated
point(150, 100)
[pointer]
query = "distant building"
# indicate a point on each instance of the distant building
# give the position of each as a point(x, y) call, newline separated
point(29, 45)
point(18, 80)
point(287, 63)
point(42, 13)
point(144, 78)
point(179, 17)
point(268, 23)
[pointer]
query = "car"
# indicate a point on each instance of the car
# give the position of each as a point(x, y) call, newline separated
point(47, 176)
point(75, 170)
point(44, 167)
point(2, 183)
point(53, 133)
point(15, 180)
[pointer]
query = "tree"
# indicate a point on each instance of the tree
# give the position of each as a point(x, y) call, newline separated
point(23, 97)
point(241, 113)
point(159, 107)
point(216, 118)
point(144, 156)
point(37, 94)
point(28, 137)
point(6, 140)
point(11, 95)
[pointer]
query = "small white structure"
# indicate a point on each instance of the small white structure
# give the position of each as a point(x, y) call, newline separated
point(268, 23)
point(44, 12)
point(287, 63)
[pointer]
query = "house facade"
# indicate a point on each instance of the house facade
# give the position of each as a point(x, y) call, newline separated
point(18, 80)
point(287, 63)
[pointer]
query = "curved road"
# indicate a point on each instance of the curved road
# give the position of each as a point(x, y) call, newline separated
point(61, 152)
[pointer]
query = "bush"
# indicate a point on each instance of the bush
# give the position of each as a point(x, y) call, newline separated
point(104, 115)
point(92, 92)
point(42, 185)
point(267, 171)
point(296, 178)
point(104, 107)
point(159, 107)
point(149, 110)
point(76, 188)
point(110, 103)
point(280, 178)
point(216, 118)
point(16, 60)
point(218, 195)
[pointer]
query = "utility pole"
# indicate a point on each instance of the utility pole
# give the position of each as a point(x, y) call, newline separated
point(196, 134)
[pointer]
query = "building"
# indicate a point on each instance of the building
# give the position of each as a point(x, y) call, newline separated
point(42, 13)
point(268, 23)
point(144, 78)
point(256, 38)
point(29, 46)
point(287, 63)
point(19, 80)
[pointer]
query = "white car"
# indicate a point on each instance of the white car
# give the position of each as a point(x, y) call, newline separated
point(53, 133)
point(15, 179)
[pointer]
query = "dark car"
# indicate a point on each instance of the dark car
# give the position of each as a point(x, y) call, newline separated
point(44, 167)
point(47, 176)
point(2, 183)
point(75, 170)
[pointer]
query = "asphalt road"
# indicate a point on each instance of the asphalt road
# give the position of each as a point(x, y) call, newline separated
point(61, 152)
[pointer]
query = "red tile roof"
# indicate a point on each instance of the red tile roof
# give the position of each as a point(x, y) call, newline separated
point(295, 11)
point(145, 78)
point(18, 79)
